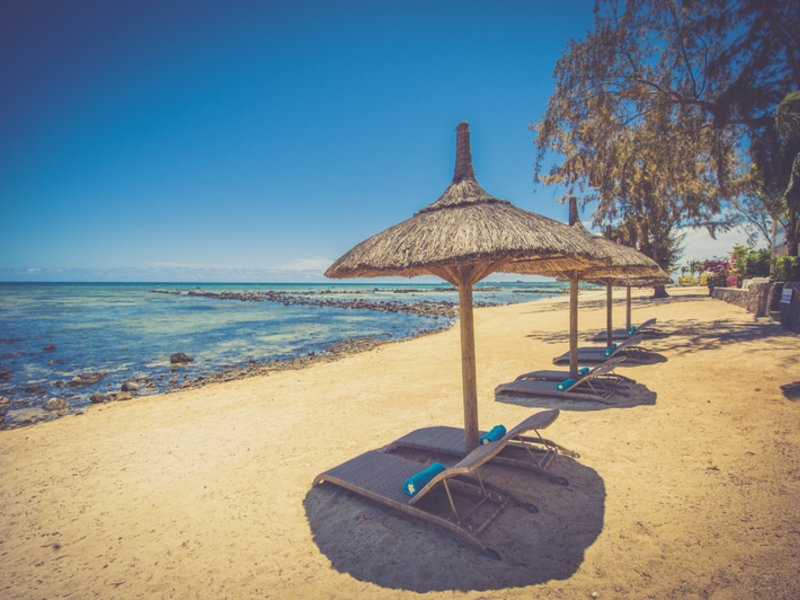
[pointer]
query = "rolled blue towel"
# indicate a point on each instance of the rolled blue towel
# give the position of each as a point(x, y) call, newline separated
point(632, 330)
point(608, 351)
point(567, 383)
point(583, 370)
point(493, 435)
point(416, 482)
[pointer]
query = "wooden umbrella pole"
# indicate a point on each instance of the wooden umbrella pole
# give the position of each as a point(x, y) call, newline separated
point(627, 308)
point(573, 325)
point(609, 327)
point(469, 380)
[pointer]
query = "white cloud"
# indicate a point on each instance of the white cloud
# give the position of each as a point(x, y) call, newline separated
point(698, 243)
point(193, 266)
point(307, 264)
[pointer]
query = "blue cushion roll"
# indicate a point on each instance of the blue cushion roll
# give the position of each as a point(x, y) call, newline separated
point(583, 370)
point(631, 330)
point(494, 434)
point(565, 384)
point(416, 482)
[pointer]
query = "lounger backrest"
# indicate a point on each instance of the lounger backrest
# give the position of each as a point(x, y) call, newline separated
point(538, 421)
point(599, 370)
point(469, 463)
point(612, 361)
point(646, 324)
point(603, 369)
point(631, 341)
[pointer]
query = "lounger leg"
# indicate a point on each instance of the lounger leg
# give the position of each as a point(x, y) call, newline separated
point(452, 504)
point(547, 442)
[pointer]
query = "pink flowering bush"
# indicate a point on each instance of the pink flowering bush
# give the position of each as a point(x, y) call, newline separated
point(719, 271)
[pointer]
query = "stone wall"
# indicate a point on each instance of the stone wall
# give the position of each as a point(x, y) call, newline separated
point(790, 312)
point(755, 298)
point(762, 299)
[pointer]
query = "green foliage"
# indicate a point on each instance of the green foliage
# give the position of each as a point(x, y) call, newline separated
point(787, 268)
point(787, 119)
point(787, 115)
point(749, 262)
point(716, 271)
point(686, 280)
point(649, 231)
point(775, 173)
point(655, 108)
point(717, 280)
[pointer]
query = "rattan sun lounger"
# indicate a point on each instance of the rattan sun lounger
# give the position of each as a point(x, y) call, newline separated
point(581, 389)
point(623, 334)
point(598, 354)
point(517, 450)
point(561, 375)
point(380, 476)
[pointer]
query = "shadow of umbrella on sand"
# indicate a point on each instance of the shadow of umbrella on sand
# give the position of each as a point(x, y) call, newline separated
point(463, 237)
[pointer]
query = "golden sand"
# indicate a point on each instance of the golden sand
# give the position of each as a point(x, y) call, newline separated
point(691, 492)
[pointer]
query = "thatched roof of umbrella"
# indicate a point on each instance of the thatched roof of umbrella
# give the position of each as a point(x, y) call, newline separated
point(467, 226)
point(622, 260)
point(660, 277)
point(463, 237)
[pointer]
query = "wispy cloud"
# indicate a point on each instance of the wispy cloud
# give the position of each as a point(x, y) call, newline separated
point(194, 266)
point(698, 243)
point(170, 272)
point(307, 264)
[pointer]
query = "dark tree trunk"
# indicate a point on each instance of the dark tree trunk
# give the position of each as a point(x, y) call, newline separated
point(659, 291)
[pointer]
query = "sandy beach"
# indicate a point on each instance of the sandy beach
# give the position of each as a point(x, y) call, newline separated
point(690, 490)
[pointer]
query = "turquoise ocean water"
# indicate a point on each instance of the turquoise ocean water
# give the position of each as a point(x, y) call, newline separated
point(128, 332)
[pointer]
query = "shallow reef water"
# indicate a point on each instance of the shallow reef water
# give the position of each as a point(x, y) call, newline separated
point(53, 333)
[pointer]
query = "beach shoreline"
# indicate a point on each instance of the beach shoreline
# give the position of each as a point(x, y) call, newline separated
point(207, 491)
point(333, 352)
point(68, 346)
point(83, 384)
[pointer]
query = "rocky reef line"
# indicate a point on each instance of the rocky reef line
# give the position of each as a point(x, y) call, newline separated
point(428, 308)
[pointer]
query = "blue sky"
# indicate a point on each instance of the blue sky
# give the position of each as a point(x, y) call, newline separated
point(256, 141)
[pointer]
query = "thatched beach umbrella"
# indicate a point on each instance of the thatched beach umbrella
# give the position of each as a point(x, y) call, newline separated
point(622, 261)
point(658, 278)
point(463, 237)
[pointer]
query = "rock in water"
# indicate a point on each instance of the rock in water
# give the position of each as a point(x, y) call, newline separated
point(130, 386)
point(86, 379)
point(56, 404)
point(50, 347)
point(98, 398)
point(179, 358)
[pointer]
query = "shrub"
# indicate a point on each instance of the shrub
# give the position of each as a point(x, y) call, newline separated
point(750, 263)
point(717, 271)
point(717, 279)
point(786, 268)
point(686, 280)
